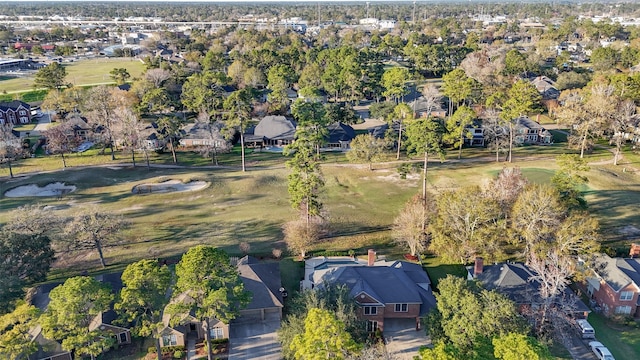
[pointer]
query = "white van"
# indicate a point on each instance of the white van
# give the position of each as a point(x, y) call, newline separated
point(586, 329)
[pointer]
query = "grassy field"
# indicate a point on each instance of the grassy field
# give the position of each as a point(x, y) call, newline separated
point(622, 341)
point(81, 72)
point(252, 206)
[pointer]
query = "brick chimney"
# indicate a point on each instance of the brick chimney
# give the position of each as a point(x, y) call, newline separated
point(371, 257)
point(635, 250)
point(478, 266)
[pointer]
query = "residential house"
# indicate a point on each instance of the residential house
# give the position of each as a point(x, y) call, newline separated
point(202, 134)
point(385, 291)
point(546, 87)
point(104, 322)
point(15, 112)
point(263, 281)
point(179, 327)
point(476, 135)
point(422, 109)
point(80, 126)
point(615, 285)
point(47, 349)
point(530, 132)
point(339, 136)
point(272, 130)
point(517, 282)
point(153, 139)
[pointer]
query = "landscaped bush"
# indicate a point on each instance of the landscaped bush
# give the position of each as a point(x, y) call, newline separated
point(172, 349)
point(178, 354)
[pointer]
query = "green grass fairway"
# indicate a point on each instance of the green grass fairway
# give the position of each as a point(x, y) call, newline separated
point(81, 72)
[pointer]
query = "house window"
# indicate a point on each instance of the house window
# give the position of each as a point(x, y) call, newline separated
point(123, 337)
point(626, 295)
point(372, 326)
point(402, 307)
point(623, 310)
point(169, 340)
point(22, 112)
point(217, 333)
point(370, 310)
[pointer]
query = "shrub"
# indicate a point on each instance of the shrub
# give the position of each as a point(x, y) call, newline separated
point(178, 354)
point(151, 350)
point(277, 253)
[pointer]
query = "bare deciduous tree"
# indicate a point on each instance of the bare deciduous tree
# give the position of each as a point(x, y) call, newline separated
point(10, 147)
point(157, 76)
point(496, 132)
point(92, 229)
point(61, 139)
point(622, 124)
point(506, 187)
point(536, 214)
point(302, 233)
point(410, 228)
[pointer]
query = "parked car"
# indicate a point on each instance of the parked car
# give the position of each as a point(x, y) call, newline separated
point(585, 329)
point(600, 350)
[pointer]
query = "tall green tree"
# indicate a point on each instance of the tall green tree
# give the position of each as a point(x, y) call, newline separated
point(279, 79)
point(458, 127)
point(366, 148)
point(143, 297)
point(206, 275)
point(519, 347)
point(324, 337)
point(26, 259)
point(50, 77)
point(16, 341)
point(238, 108)
point(170, 131)
point(522, 98)
point(569, 178)
point(458, 87)
point(424, 136)
point(120, 75)
point(312, 122)
point(72, 307)
point(202, 92)
point(394, 81)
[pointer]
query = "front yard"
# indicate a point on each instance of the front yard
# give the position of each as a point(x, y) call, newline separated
point(623, 341)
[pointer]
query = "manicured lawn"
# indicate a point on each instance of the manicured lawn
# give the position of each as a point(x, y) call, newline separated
point(81, 72)
point(437, 270)
point(622, 341)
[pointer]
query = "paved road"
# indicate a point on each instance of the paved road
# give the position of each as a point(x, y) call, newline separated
point(254, 341)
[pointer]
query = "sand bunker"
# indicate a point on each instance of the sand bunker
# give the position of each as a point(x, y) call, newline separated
point(169, 186)
point(53, 189)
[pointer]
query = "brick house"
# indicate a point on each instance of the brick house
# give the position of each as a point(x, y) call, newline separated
point(15, 112)
point(384, 291)
point(615, 285)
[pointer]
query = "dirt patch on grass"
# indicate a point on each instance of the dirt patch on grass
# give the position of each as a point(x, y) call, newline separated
point(52, 189)
point(169, 186)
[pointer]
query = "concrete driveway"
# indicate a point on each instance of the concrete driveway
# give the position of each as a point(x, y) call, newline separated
point(257, 340)
point(402, 339)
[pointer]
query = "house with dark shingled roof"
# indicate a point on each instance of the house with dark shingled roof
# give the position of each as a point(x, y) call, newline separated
point(385, 291)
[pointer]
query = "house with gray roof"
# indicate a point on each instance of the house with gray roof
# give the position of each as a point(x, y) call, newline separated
point(422, 108)
point(46, 349)
point(203, 133)
point(263, 281)
point(615, 285)
point(529, 132)
point(383, 290)
point(260, 279)
point(339, 136)
point(518, 282)
point(272, 130)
